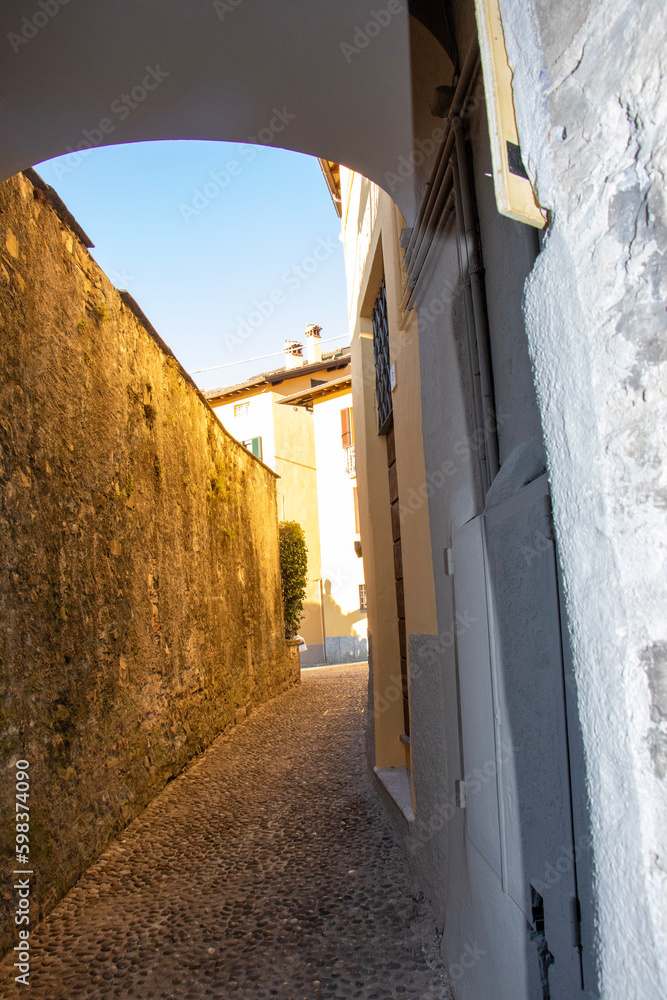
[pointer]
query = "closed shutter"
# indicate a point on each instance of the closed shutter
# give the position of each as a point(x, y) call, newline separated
point(255, 446)
point(347, 427)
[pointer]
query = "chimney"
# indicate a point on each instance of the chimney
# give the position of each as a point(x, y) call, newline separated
point(293, 354)
point(313, 344)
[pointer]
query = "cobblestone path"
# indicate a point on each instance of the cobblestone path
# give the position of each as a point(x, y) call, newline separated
point(266, 869)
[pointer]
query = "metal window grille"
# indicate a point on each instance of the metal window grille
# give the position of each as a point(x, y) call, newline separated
point(350, 464)
point(362, 597)
point(241, 409)
point(382, 362)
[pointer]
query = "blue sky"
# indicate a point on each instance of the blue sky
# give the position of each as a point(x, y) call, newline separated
point(228, 249)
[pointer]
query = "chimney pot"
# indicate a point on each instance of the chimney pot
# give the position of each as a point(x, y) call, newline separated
point(293, 354)
point(313, 344)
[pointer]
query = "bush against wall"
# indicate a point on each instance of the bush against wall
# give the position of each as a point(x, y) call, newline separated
point(293, 573)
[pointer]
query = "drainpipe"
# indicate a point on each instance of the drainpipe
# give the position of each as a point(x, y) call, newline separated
point(423, 246)
point(428, 244)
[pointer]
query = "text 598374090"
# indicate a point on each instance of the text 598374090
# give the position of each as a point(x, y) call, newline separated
point(23, 871)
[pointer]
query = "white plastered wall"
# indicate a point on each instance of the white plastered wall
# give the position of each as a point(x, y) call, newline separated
point(591, 101)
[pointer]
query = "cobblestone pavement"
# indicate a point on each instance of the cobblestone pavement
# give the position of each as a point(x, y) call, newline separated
point(266, 869)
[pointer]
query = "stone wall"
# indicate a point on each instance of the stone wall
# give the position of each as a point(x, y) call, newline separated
point(140, 605)
point(591, 97)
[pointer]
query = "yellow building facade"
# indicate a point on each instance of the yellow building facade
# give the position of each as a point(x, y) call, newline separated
point(468, 650)
point(298, 420)
point(396, 549)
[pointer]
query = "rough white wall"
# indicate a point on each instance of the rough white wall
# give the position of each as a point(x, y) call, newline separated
point(591, 102)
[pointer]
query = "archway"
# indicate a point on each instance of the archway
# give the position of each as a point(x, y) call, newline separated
point(326, 79)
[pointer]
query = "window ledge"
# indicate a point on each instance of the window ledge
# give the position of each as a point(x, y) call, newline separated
point(395, 789)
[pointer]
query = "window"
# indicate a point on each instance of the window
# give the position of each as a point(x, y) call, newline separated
point(241, 409)
point(347, 427)
point(362, 597)
point(255, 446)
point(382, 362)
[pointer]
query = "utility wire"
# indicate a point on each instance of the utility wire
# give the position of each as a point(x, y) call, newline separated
point(232, 364)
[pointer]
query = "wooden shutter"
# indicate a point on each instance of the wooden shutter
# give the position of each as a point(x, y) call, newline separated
point(347, 427)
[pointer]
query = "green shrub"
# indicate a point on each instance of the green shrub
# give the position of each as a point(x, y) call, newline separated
point(293, 573)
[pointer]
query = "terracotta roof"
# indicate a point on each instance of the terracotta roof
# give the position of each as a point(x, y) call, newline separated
point(307, 396)
point(337, 359)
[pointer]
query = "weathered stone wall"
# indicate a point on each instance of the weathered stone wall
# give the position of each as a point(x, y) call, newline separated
point(591, 96)
point(140, 606)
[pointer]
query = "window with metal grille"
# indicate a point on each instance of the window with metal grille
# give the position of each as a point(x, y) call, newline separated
point(362, 597)
point(382, 363)
point(241, 409)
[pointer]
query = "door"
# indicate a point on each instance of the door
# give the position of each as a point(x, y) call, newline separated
point(513, 704)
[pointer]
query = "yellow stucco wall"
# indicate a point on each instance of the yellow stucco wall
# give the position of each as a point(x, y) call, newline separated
point(288, 447)
point(294, 444)
point(304, 447)
point(371, 227)
point(342, 570)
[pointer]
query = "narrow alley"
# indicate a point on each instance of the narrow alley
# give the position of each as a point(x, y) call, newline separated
point(265, 869)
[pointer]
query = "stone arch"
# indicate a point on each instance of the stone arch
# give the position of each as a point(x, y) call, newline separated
point(331, 80)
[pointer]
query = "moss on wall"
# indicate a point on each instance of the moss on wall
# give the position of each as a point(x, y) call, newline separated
point(140, 605)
